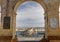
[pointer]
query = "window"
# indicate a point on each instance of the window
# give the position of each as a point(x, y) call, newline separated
point(30, 17)
point(30, 14)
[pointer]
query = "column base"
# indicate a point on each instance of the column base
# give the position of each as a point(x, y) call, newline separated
point(43, 40)
point(14, 40)
point(53, 38)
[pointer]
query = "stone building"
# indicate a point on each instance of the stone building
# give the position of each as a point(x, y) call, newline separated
point(8, 21)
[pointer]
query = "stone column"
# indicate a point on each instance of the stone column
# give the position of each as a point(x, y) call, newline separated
point(46, 23)
point(14, 24)
point(14, 38)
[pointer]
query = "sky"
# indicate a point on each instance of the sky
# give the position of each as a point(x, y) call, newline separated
point(30, 14)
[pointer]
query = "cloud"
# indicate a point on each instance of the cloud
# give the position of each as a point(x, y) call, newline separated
point(30, 16)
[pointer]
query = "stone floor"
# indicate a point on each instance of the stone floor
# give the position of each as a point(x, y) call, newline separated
point(5, 38)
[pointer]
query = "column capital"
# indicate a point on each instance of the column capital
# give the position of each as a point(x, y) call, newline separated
point(14, 14)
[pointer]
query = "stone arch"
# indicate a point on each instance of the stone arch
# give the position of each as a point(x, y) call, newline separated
point(22, 1)
point(51, 10)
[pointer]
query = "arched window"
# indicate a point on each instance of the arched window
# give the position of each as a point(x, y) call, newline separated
point(30, 16)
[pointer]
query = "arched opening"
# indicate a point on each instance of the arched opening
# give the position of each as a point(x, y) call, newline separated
point(30, 20)
point(27, 7)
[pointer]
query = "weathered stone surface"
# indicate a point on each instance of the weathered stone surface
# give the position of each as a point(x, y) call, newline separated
point(51, 11)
